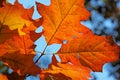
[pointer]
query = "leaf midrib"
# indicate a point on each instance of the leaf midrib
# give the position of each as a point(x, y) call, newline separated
point(57, 28)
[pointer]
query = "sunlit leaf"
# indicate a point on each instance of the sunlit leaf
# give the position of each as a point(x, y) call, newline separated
point(18, 53)
point(62, 19)
point(6, 33)
point(92, 50)
point(11, 16)
point(71, 71)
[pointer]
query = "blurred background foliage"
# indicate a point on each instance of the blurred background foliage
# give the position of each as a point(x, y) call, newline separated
point(105, 17)
point(3, 68)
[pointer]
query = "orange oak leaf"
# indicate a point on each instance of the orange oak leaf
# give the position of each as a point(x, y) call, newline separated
point(61, 20)
point(21, 63)
point(93, 51)
point(12, 16)
point(3, 77)
point(71, 58)
point(31, 32)
point(73, 72)
point(18, 53)
point(6, 33)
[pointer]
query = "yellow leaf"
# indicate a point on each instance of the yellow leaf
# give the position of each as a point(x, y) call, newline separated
point(11, 15)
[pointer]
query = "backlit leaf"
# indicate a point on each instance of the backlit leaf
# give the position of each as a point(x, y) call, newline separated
point(18, 53)
point(73, 72)
point(11, 16)
point(81, 52)
point(92, 50)
point(6, 33)
point(61, 20)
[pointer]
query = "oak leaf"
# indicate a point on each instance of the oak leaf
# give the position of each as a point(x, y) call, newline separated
point(6, 33)
point(18, 53)
point(21, 63)
point(73, 72)
point(13, 19)
point(12, 16)
point(93, 51)
point(61, 20)
point(16, 49)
